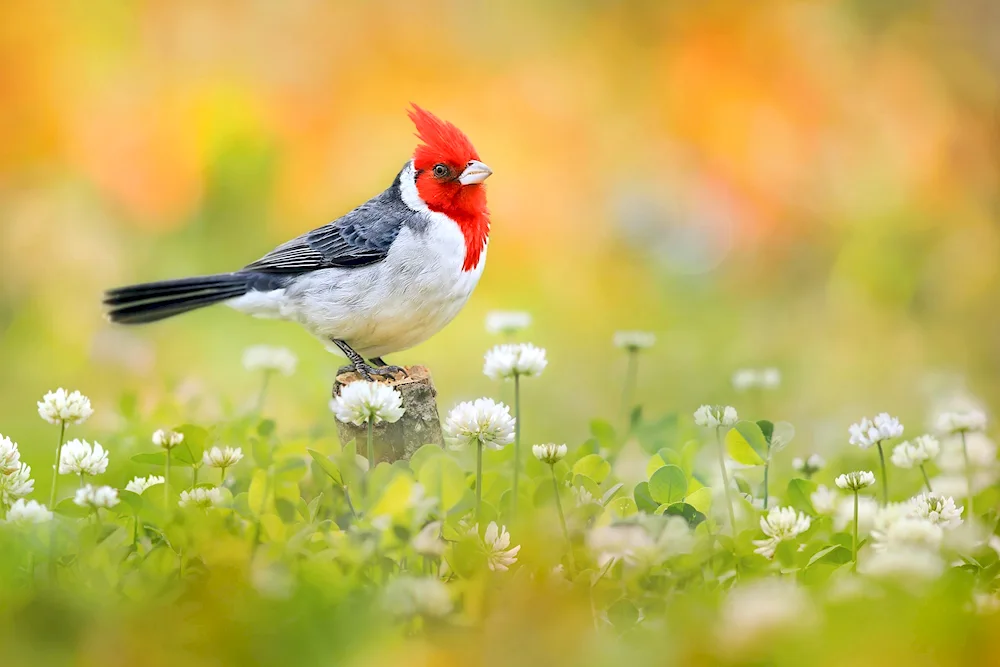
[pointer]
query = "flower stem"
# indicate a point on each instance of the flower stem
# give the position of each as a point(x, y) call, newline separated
point(166, 483)
point(631, 379)
point(263, 392)
point(194, 476)
point(927, 480)
point(479, 478)
point(222, 476)
point(55, 468)
point(885, 479)
point(968, 475)
point(767, 469)
point(371, 447)
point(562, 520)
point(854, 550)
point(517, 440)
point(725, 479)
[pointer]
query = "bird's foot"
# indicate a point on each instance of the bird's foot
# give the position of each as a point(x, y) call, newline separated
point(369, 372)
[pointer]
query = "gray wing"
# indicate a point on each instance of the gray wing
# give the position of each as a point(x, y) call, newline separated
point(359, 238)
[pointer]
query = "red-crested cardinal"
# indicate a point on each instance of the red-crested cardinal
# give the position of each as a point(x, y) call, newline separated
point(383, 278)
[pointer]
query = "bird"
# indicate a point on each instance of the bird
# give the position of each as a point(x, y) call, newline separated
point(381, 279)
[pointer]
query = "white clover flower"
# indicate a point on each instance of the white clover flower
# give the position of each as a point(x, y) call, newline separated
point(746, 379)
point(618, 542)
point(550, 453)
point(222, 457)
point(359, 402)
point(634, 340)
point(10, 456)
point(428, 541)
point(908, 533)
point(24, 512)
point(267, 358)
point(855, 481)
point(507, 322)
point(63, 407)
point(713, 416)
point(914, 454)
point(906, 565)
point(79, 457)
point(96, 497)
point(868, 433)
point(780, 524)
point(582, 496)
point(202, 497)
point(16, 484)
point(482, 421)
point(495, 545)
point(808, 466)
point(140, 484)
point(961, 422)
point(504, 362)
point(412, 596)
point(824, 500)
point(937, 509)
point(754, 614)
point(167, 439)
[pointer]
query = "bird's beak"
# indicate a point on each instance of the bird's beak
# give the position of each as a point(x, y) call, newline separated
point(475, 172)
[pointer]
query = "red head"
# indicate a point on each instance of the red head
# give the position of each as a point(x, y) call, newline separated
point(449, 179)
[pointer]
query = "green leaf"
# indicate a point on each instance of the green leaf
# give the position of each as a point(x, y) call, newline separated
point(643, 500)
point(265, 428)
point(195, 438)
point(261, 453)
point(443, 478)
point(610, 493)
point(668, 484)
point(836, 554)
point(743, 486)
point(328, 466)
point(746, 444)
point(685, 511)
point(783, 434)
point(423, 455)
point(767, 428)
point(592, 466)
point(799, 495)
point(604, 432)
point(623, 615)
point(623, 506)
point(133, 500)
point(257, 493)
point(701, 499)
point(151, 458)
point(67, 507)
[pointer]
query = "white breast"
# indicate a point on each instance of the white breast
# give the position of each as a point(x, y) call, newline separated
point(389, 306)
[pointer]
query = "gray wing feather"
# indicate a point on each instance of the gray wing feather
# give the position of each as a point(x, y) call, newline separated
point(359, 238)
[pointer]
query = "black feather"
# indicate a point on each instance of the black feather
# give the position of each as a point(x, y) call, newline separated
point(149, 302)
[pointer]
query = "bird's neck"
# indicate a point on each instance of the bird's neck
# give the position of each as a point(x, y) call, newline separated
point(465, 207)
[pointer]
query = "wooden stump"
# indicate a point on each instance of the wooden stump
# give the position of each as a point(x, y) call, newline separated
point(419, 425)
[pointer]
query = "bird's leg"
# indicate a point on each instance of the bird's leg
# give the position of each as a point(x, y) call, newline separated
point(384, 367)
point(363, 369)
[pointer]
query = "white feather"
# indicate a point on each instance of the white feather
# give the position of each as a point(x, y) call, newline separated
point(385, 307)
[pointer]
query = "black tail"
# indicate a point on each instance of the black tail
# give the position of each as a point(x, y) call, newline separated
point(150, 302)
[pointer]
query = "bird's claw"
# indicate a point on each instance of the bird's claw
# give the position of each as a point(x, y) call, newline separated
point(366, 371)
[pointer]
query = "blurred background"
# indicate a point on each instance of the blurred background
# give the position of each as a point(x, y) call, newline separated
point(807, 185)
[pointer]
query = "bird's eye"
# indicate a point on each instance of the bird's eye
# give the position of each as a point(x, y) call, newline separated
point(441, 170)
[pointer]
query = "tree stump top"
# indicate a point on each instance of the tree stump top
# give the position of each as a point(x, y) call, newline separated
point(419, 425)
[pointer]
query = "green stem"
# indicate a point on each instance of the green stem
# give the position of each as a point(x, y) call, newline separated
point(263, 391)
point(767, 469)
point(725, 479)
point(927, 480)
point(885, 478)
point(631, 379)
point(854, 550)
point(562, 520)
point(222, 476)
point(166, 483)
point(194, 476)
point(479, 477)
point(371, 448)
point(517, 440)
point(55, 468)
point(968, 475)
point(350, 505)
